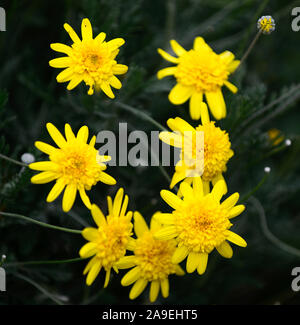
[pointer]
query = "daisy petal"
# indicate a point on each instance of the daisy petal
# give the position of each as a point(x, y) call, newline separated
point(86, 29)
point(44, 177)
point(236, 239)
point(69, 197)
point(192, 262)
point(203, 263)
point(195, 105)
point(72, 33)
point(164, 284)
point(216, 104)
point(180, 94)
point(177, 48)
point(130, 276)
point(137, 288)
point(140, 226)
point(167, 56)
point(98, 216)
point(56, 190)
point(154, 290)
point(171, 199)
point(56, 135)
point(166, 72)
point(94, 271)
point(225, 250)
point(62, 48)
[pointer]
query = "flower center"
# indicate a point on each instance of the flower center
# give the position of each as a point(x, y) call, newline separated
point(217, 152)
point(203, 70)
point(202, 224)
point(77, 164)
point(113, 239)
point(154, 257)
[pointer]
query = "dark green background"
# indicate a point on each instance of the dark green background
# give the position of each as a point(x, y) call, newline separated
point(30, 97)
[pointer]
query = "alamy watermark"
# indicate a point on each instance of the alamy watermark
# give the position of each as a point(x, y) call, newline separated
point(296, 281)
point(137, 148)
point(296, 21)
point(2, 20)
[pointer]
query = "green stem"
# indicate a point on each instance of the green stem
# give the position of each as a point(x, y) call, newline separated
point(13, 160)
point(71, 260)
point(255, 189)
point(43, 224)
point(140, 114)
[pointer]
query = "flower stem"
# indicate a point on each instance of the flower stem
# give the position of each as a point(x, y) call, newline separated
point(13, 160)
point(43, 224)
point(140, 114)
point(71, 260)
point(249, 48)
point(254, 190)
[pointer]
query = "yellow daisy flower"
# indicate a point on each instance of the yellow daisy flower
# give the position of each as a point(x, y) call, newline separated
point(151, 261)
point(199, 71)
point(275, 136)
point(75, 165)
point(200, 223)
point(217, 149)
point(107, 243)
point(91, 60)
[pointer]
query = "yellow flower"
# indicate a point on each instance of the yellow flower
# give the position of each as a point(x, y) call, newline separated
point(200, 223)
point(275, 136)
point(199, 71)
point(75, 165)
point(91, 60)
point(266, 24)
point(151, 261)
point(217, 149)
point(107, 243)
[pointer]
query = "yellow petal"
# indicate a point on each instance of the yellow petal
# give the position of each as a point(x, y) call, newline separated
point(90, 234)
point(43, 177)
point(94, 271)
point(233, 66)
point(124, 205)
point(69, 133)
point(137, 288)
point(140, 225)
point(107, 278)
point(200, 44)
point(177, 177)
point(126, 262)
point(115, 82)
point(45, 147)
point(83, 134)
point(86, 29)
point(120, 69)
point(203, 263)
point(179, 94)
point(115, 43)
point(154, 290)
point(231, 86)
point(164, 284)
point(230, 201)
point(197, 187)
point(237, 210)
point(85, 199)
point(171, 138)
point(164, 218)
point(226, 57)
point(195, 105)
point(177, 48)
point(43, 166)
point(218, 178)
point(216, 104)
point(236, 239)
point(107, 90)
point(166, 233)
point(171, 199)
point(88, 250)
point(89, 265)
point(56, 135)
point(74, 82)
point(204, 114)
point(166, 72)
point(192, 262)
point(65, 75)
point(118, 202)
point(225, 250)
point(60, 62)
point(131, 276)
point(206, 187)
point(69, 197)
point(218, 190)
point(56, 190)
point(186, 190)
point(180, 254)
point(107, 179)
point(98, 216)
point(62, 48)
point(72, 33)
point(100, 37)
point(179, 124)
point(167, 56)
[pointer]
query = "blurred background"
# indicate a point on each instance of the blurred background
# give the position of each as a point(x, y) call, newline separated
point(263, 124)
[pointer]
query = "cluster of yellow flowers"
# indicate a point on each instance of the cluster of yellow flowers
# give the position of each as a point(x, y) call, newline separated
point(199, 222)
